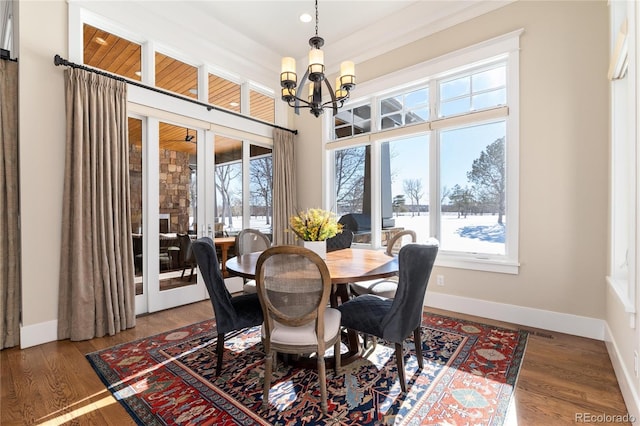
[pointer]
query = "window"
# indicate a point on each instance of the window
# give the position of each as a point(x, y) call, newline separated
point(111, 53)
point(176, 76)
point(472, 92)
point(224, 93)
point(443, 160)
point(261, 187)
point(228, 181)
point(351, 122)
point(473, 189)
point(404, 109)
point(261, 106)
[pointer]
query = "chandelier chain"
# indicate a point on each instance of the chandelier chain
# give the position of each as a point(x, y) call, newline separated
point(316, 18)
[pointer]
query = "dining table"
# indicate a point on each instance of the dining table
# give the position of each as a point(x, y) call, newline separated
point(345, 266)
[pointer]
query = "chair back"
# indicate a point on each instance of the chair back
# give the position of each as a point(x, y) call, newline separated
point(251, 241)
point(186, 250)
point(293, 287)
point(341, 241)
point(207, 260)
point(415, 262)
point(400, 239)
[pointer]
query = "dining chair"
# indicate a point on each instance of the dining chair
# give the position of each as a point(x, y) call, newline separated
point(394, 319)
point(231, 313)
point(293, 286)
point(385, 287)
point(186, 254)
point(250, 241)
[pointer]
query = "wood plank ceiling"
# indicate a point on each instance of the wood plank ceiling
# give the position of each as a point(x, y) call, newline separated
point(114, 54)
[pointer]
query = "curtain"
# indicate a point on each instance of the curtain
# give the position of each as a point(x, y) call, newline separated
point(97, 295)
point(9, 208)
point(284, 189)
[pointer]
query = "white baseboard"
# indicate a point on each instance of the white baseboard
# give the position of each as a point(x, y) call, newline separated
point(538, 318)
point(37, 334)
point(624, 376)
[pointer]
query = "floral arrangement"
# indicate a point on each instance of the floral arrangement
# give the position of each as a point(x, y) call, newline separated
point(315, 225)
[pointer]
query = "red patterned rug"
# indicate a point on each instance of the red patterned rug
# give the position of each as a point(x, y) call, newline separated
point(468, 378)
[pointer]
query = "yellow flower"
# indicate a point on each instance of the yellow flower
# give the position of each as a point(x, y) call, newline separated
point(315, 225)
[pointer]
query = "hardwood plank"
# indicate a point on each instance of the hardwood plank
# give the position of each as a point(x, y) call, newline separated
point(561, 376)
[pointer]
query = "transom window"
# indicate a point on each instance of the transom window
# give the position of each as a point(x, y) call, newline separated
point(472, 92)
point(404, 109)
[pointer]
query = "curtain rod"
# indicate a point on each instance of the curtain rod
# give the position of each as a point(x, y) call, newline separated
point(58, 60)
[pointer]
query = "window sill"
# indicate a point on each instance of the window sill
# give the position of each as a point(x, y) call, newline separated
point(620, 287)
point(477, 263)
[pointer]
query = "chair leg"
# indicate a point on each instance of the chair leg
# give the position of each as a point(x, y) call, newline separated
point(322, 378)
point(219, 353)
point(191, 276)
point(400, 363)
point(417, 341)
point(267, 379)
point(337, 357)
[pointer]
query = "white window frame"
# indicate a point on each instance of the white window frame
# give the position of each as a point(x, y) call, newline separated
point(506, 48)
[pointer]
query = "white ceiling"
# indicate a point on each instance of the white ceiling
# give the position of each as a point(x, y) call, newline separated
point(248, 37)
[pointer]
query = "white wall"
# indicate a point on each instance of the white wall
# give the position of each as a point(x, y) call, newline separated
point(42, 34)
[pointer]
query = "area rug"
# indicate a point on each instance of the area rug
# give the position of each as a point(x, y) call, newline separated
point(469, 375)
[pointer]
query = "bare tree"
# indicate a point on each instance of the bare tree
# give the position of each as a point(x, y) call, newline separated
point(261, 176)
point(413, 189)
point(225, 174)
point(350, 178)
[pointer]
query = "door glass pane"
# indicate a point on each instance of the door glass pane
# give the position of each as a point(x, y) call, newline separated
point(261, 185)
point(405, 187)
point(353, 190)
point(135, 193)
point(228, 180)
point(177, 205)
point(111, 53)
point(176, 76)
point(473, 189)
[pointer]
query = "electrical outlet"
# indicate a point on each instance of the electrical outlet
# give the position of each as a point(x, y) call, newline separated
point(440, 280)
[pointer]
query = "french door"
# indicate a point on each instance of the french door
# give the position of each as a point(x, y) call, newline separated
point(171, 171)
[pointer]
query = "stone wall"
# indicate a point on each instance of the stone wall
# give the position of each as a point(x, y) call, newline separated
point(174, 198)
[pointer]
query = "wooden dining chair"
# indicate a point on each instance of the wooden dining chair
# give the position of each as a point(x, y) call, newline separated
point(385, 287)
point(395, 319)
point(250, 241)
point(293, 286)
point(231, 313)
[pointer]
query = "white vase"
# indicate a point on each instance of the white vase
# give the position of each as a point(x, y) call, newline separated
point(319, 247)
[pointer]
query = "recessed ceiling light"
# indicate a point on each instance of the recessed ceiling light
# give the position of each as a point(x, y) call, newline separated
point(233, 104)
point(194, 91)
point(138, 73)
point(101, 41)
point(305, 17)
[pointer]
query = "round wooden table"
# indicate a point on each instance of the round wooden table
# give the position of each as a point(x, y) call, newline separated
point(345, 266)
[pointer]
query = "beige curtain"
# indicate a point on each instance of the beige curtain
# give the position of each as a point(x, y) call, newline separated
point(97, 292)
point(285, 201)
point(9, 208)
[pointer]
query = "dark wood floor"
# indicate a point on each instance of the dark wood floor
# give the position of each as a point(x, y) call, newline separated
point(561, 377)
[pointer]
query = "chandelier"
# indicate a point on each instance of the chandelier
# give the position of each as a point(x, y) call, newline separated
point(315, 74)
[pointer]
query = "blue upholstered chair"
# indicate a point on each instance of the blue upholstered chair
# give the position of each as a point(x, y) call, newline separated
point(395, 319)
point(231, 313)
point(385, 287)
